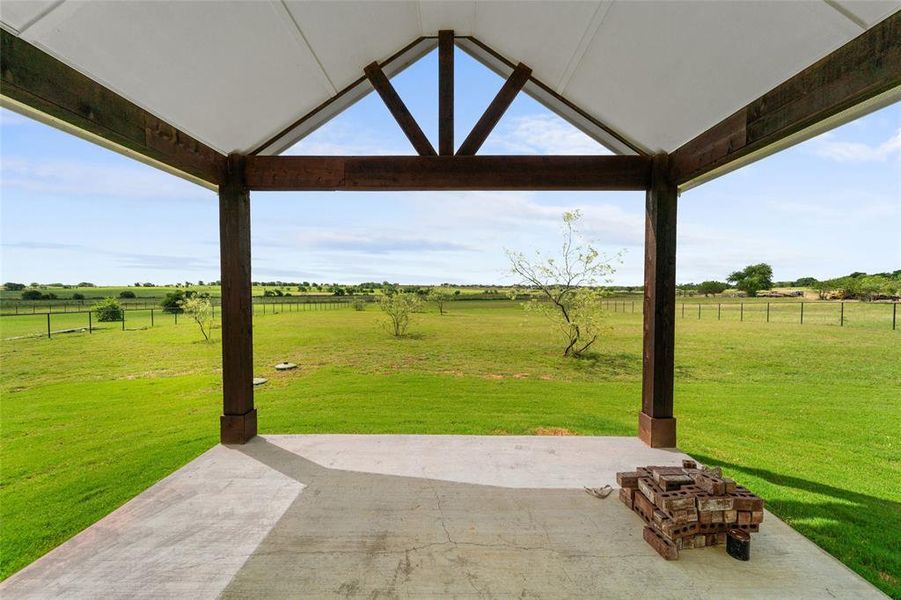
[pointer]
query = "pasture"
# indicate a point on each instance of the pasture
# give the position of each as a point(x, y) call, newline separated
point(805, 415)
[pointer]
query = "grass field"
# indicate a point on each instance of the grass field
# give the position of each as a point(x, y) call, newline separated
point(807, 416)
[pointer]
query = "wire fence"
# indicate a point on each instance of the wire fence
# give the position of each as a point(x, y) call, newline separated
point(840, 314)
point(48, 324)
point(137, 316)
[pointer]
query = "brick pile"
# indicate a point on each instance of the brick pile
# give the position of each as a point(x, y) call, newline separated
point(688, 506)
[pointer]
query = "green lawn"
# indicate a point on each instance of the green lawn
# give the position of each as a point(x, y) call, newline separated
point(807, 416)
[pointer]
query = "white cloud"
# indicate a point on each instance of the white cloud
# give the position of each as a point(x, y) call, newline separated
point(339, 139)
point(541, 134)
point(828, 146)
point(82, 178)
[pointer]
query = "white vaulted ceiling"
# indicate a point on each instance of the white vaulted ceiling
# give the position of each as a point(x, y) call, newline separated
point(233, 74)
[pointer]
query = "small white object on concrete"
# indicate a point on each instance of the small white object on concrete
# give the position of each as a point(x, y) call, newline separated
point(259, 380)
point(285, 366)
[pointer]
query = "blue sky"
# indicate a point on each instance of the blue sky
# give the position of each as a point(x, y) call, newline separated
point(72, 211)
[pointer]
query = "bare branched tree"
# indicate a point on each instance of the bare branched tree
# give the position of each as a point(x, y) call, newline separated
point(567, 286)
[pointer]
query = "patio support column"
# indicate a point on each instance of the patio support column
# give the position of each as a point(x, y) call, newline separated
point(656, 425)
point(238, 422)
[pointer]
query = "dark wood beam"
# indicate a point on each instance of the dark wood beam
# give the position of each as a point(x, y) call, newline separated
point(446, 93)
point(424, 173)
point(656, 425)
point(482, 129)
point(35, 83)
point(398, 110)
point(239, 418)
point(861, 71)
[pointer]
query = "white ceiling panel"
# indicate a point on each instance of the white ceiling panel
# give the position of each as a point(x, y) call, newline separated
point(543, 35)
point(230, 74)
point(869, 12)
point(459, 16)
point(663, 72)
point(347, 36)
point(18, 14)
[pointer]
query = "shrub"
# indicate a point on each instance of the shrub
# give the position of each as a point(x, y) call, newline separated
point(32, 295)
point(397, 308)
point(172, 302)
point(108, 310)
point(200, 309)
point(77, 296)
point(359, 304)
point(127, 294)
point(10, 286)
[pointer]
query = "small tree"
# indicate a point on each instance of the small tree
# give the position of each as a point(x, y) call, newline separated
point(108, 310)
point(567, 286)
point(200, 309)
point(398, 307)
point(127, 294)
point(440, 296)
point(11, 286)
point(32, 295)
point(711, 288)
point(753, 278)
point(172, 302)
point(77, 296)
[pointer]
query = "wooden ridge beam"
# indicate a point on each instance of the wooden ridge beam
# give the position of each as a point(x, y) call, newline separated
point(863, 74)
point(483, 128)
point(40, 86)
point(398, 109)
point(446, 93)
point(426, 173)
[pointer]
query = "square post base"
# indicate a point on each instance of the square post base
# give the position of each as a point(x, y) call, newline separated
point(657, 432)
point(238, 429)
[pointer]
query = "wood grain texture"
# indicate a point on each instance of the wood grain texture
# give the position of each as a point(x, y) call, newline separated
point(446, 93)
point(424, 173)
point(659, 295)
point(864, 68)
point(492, 115)
point(398, 110)
point(237, 309)
point(32, 77)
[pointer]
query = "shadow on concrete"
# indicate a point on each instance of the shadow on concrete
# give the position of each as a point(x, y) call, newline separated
point(860, 529)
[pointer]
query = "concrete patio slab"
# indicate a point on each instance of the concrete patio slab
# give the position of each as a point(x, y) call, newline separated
point(411, 516)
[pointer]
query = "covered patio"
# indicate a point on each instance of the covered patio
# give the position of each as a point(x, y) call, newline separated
point(679, 92)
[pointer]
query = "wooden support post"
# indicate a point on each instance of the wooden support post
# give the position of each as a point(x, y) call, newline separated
point(656, 425)
point(446, 93)
point(239, 418)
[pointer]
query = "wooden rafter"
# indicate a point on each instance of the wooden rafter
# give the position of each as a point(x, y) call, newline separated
point(35, 83)
point(484, 126)
point(866, 69)
point(446, 93)
point(398, 109)
point(398, 173)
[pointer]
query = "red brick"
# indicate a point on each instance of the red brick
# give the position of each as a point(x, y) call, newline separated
point(626, 495)
point(628, 479)
point(664, 547)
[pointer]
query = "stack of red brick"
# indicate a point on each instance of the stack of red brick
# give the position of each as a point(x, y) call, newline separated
point(688, 506)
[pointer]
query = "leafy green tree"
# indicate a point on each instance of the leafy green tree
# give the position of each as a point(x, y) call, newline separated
point(108, 310)
point(127, 294)
point(77, 296)
point(567, 286)
point(200, 309)
point(753, 278)
point(32, 295)
point(712, 288)
point(172, 302)
point(10, 286)
point(805, 282)
point(440, 296)
point(398, 308)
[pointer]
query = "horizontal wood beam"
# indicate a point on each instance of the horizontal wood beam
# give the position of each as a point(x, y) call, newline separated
point(398, 109)
point(502, 101)
point(863, 70)
point(35, 83)
point(427, 173)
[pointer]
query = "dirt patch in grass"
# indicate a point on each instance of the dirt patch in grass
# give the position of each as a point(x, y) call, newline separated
point(556, 431)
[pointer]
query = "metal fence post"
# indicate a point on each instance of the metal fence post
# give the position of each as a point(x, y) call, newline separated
point(48, 325)
point(742, 308)
point(90, 323)
point(176, 316)
point(151, 317)
point(683, 309)
point(699, 311)
point(894, 314)
point(802, 313)
point(123, 319)
point(767, 312)
point(841, 319)
point(719, 309)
